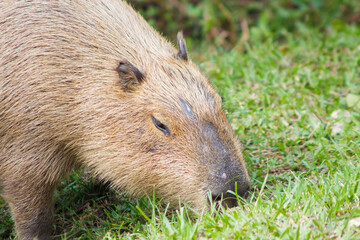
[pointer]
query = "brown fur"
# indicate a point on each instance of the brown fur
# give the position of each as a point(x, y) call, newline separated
point(65, 102)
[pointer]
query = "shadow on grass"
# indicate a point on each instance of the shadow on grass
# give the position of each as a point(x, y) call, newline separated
point(86, 209)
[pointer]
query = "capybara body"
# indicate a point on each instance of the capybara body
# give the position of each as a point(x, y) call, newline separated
point(90, 83)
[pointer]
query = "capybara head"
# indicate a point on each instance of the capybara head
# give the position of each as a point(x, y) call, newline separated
point(179, 139)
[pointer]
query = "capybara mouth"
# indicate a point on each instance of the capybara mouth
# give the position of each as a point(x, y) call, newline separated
point(229, 199)
point(228, 202)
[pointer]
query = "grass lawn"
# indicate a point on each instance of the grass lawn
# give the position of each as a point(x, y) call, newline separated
point(294, 101)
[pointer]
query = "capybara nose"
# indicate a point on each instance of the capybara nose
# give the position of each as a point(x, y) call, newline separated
point(227, 194)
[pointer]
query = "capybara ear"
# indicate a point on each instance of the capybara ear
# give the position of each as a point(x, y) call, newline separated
point(130, 76)
point(182, 53)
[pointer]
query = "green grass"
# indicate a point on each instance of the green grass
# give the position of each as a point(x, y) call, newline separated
point(292, 100)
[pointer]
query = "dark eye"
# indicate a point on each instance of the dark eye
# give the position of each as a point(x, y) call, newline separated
point(162, 127)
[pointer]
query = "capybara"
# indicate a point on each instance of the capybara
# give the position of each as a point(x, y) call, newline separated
point(90, 84)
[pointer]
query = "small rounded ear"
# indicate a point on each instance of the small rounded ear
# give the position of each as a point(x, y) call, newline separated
point(182, 53)
point(130, 76)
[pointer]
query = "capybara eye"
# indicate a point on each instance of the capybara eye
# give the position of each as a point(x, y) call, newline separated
point(162, 127)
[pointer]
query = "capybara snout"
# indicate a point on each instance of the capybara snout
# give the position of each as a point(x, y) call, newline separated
point(228, 175)
point(91, 84)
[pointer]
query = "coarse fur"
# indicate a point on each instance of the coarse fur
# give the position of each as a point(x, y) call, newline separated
point(90, 83)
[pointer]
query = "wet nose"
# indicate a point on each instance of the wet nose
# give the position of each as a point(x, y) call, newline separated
point(226, 193)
